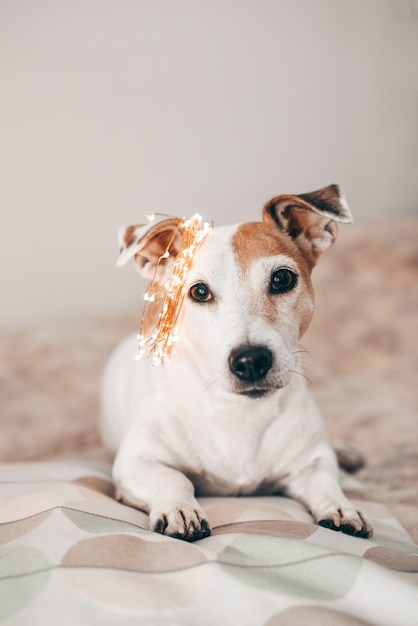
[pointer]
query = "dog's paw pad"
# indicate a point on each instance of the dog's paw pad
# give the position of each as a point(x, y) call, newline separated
point(353, 530)
point(328, 523)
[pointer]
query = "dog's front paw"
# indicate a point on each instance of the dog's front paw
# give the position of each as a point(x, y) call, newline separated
point(348, 520)
point(181, 521)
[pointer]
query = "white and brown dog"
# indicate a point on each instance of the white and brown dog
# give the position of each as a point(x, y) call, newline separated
point(231, 413)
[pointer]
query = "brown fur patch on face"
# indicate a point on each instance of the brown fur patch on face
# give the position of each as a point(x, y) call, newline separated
point(129, 236)
point(255, 240)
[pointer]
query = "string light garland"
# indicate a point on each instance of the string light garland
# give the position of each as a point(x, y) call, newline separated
point(163, 301)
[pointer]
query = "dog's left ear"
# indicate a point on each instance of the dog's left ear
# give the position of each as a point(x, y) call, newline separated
point(310, 218)
point(152, 246)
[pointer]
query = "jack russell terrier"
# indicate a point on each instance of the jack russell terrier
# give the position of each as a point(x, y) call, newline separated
point(231, 413)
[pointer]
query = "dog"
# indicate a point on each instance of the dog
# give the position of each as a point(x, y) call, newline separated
point(231, 414)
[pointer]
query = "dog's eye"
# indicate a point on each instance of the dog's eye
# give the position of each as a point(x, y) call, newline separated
point(282, 280)
point(200, 292)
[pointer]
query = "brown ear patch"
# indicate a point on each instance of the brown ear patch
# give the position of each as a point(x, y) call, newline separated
point(312, 233)
point(329, 200)
point(146, 243)
point(309, 219)
point(163, 241)
point(130, 235)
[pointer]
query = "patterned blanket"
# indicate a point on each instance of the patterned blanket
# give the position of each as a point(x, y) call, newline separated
point(71, 554)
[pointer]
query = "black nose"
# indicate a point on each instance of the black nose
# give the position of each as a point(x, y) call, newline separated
point(250, 363)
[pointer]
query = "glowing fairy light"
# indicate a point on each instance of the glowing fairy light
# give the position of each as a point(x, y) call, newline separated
point(159, 329)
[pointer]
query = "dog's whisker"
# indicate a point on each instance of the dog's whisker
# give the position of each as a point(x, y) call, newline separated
point(210, 384)
point(302, 359)
point(301, 350)
point(303, 376)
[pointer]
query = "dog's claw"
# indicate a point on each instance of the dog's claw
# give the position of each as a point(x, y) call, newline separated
point(353, 523)
point(161, 524)
point(182, 523)
point(195, 534)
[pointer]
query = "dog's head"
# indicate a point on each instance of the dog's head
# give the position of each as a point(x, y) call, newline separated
point(250, 295)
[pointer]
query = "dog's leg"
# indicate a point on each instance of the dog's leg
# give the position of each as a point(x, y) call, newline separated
point(348, 457)
point(165, 493)
point(318, 488)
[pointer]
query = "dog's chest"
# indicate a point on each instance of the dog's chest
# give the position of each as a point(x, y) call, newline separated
point(225, 444)
point(234, 453)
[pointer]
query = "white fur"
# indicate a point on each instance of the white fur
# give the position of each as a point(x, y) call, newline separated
point(185, 427)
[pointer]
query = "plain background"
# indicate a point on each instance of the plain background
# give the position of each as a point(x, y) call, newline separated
point(110, 109)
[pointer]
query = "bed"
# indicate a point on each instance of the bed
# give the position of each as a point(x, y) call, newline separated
point(71, 554)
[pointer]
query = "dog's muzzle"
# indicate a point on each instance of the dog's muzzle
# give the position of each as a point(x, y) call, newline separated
point(250, 364)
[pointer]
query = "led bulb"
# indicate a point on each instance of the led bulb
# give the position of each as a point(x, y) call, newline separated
point(162, 321)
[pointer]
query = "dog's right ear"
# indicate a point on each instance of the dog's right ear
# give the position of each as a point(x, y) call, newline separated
point(150, 245)
point(310, 219)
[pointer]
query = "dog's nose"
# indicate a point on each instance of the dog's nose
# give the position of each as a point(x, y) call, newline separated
point(250, 363)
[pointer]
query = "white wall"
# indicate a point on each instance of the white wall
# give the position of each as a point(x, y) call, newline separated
point(113, 108)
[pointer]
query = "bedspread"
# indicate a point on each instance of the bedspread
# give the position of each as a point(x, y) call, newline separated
point(71, 554)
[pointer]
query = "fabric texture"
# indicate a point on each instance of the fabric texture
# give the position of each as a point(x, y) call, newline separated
point(71, 554)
